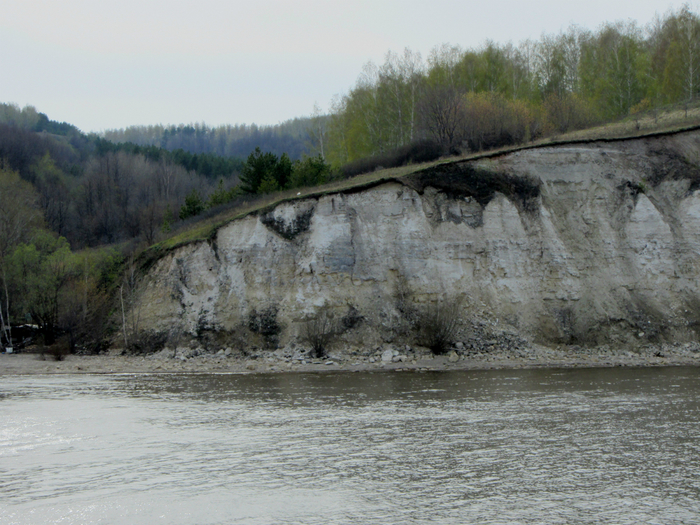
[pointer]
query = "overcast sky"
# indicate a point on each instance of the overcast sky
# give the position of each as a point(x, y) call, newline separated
point(103, 64)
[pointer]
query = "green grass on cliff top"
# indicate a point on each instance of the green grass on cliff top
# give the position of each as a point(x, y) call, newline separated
point(652, 123)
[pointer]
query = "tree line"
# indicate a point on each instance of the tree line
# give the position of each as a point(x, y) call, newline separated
point(507, 94)
point(290, 138)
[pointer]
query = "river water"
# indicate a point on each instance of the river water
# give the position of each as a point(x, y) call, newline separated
point(528, 446)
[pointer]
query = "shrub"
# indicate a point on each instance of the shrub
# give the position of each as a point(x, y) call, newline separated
point(569, 112)
point(269, 185)
point(310, 171)
point(145, 342)
point(438, 325)
point(403, 297)
point(222, 195)
point(319, 331)
point(435, 325)
point(58, 350)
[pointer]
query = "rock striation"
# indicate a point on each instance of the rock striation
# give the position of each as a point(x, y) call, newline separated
point(590, 244)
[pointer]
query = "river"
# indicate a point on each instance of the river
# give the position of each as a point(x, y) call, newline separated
point(510, 446)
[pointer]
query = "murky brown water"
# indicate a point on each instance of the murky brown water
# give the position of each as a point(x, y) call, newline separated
point(552, 446)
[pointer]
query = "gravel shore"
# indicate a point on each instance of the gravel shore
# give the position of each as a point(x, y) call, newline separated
point(383, 358)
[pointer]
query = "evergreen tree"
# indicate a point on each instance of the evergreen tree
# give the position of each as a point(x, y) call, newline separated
point(256, 168)
point(194, 205)
point(310, 171)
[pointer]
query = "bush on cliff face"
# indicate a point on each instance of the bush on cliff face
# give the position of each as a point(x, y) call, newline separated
point(265, 323)
point(434, 325)
point(319, 331)
point(437, 326)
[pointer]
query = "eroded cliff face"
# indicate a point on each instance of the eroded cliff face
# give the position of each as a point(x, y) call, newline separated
point(588, 244)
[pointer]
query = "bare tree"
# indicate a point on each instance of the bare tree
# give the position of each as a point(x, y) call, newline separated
point(319, 331)
point(442, 110)
point(317, 131)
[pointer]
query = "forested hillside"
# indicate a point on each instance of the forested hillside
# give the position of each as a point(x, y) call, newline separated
point(501, 94)
point(94, 192)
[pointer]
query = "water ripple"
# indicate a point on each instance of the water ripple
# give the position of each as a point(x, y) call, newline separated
point(555, 447)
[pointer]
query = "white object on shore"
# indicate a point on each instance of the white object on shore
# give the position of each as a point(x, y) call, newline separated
point(9, 350)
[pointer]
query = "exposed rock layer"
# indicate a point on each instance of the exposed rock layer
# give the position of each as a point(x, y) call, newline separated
point(588, 244)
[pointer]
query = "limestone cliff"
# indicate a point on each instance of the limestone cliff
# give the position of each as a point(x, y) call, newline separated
point(580, 243)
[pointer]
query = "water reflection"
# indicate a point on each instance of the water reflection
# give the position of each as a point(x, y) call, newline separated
point(536, 446)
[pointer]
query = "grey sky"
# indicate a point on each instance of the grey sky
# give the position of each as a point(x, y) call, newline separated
point(109, 64)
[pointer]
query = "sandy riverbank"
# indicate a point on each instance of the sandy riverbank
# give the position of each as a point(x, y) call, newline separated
point(537, 357)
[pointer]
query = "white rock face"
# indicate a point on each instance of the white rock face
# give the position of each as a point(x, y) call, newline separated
point(585, 243)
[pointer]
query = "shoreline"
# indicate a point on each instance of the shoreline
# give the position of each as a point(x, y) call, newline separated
point(32, 364)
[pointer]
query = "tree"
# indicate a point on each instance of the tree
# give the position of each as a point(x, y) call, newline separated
point(339, 128)
point(19, 215)
point(442, 62)
point(494, 74)
point(194, 205)
point(550, 64)
point(25, 118)
point(611, 69)
point(310, 171)
point(255, 169)
point(318, 131)
point(269, 185)
point(282, 171)
point(54, 193)
point(85, 304)
point(443, 115)
point(150, 219)
point(682, 72)
point(221, 195)
point(130, 309)
point(398, 84)
point(41, 270)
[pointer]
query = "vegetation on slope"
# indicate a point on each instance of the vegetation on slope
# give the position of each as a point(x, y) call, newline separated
point(500, 95)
